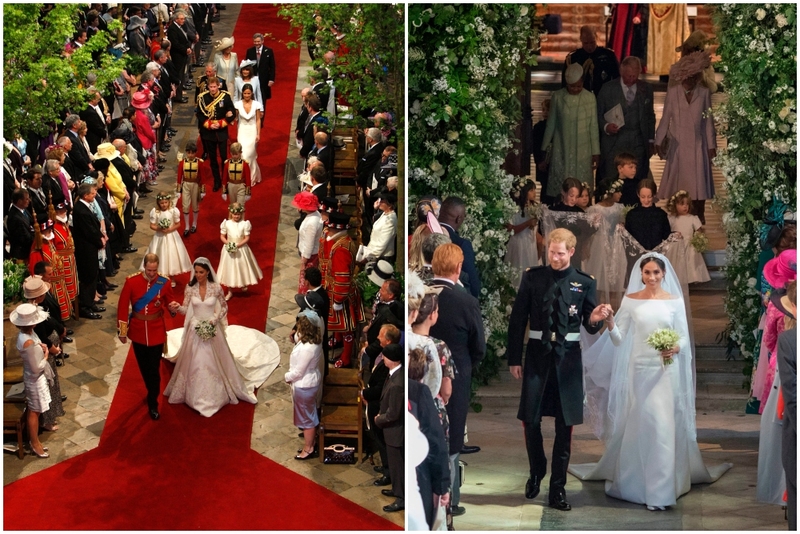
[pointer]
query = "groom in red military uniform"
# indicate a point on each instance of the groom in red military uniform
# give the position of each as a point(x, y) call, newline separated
point(149, 294)
point(337, 263)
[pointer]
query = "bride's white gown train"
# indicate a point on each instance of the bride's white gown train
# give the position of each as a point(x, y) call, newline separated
point(223, 370)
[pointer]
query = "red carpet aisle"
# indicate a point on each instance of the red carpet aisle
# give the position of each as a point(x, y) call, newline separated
point(187, 471)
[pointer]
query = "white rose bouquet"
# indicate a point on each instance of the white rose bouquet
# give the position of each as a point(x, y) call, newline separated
point(230, 248)
point(163, 224)
point(663, 339)
point(205, 330)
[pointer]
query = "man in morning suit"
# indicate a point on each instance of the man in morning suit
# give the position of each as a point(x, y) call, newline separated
point(557, 300)
point(180, 50)
point(313, 118)
point(265, 68)
point(372, 157)
point(636, 137)
point(392, 420)
point(89, 239)
point(77, 152)
point(150, 296)
point(599, 63)
point(460, 326)
point(96, 121)
point(214, 112)
point(787, 369)
point(20, 226)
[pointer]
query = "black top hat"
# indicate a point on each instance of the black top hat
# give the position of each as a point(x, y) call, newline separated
point(312, 300)
point(338, 220)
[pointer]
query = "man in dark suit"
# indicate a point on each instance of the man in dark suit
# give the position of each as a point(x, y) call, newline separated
point(20, 226)
point(214, 112)
point(635, 97)
point(320, 86)
point(265, 68)
point(314, 118)
point(787, 369)
point(388, 309)
point(392, 420)
point(323, 152)
point(372, 156)
point(451, 217)
point(88, 241)
point(129, 180)
point(460, 326)
point(69, 165)
point(37, 194)
point(314, 282)
point(51, 184)
point(95, 120)
point(77, 152)
point(180, 50)
point(599, 64)
point(557, 300)
point(376, 381)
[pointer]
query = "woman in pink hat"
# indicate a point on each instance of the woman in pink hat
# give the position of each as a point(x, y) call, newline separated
point(308, 235)
point(144, 131)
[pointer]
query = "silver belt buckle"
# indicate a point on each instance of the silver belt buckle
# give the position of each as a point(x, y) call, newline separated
point(552, 336)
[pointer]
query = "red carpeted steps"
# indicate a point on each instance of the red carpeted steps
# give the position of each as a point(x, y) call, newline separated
point(187, 471)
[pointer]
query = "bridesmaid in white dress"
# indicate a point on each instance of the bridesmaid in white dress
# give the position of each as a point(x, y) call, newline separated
point(651, 456)
point(249, 113)
point(167, 242)
point(521, 251)
point(207, 375)
point(237, 268)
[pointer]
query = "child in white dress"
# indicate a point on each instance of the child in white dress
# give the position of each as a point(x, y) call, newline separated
point(238, 267)
point(522, 248)
point(165, 219)
point(681, 220)
point(607, 270)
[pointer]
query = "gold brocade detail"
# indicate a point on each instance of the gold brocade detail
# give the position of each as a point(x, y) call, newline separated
point(208, 110)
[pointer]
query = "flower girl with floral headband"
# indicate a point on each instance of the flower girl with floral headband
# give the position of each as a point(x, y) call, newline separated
point(522, 251)
point(238, 267)
point(165, 219)
point(682, 220)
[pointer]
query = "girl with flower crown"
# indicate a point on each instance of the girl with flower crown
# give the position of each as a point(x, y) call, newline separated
point(238, 267)
point(681, 219)
point(522, 245)
point(165, 219)
point(600, 264)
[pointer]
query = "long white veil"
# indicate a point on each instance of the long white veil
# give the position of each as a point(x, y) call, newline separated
point(607, 379)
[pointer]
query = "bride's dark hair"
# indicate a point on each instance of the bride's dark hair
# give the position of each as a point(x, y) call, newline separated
point(205, 266)
point(659, 262)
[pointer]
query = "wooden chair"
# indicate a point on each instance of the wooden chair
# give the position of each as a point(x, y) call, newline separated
point(14, 422)
point(342, 409)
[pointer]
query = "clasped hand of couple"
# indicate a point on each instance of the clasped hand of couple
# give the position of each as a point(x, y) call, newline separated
point(603, 312)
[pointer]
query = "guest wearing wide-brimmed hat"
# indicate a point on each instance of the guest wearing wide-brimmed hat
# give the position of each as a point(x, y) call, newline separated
point(308, 234)
point(225, 59)
point(247, 74)
point(137, 40)
point(141, 100)
point(36, 371)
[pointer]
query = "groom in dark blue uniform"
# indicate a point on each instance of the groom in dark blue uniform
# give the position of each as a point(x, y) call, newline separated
point(556, 299)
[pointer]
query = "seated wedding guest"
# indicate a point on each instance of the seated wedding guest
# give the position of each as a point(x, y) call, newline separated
point(304, 377)
point(392, 420)
point(647, 223)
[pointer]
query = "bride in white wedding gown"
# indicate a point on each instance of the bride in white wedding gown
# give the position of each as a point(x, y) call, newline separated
point(209, 373)
point(642, 408)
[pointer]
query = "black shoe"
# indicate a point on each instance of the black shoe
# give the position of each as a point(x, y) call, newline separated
point(457, 510)
point(63, 398)
point(186, 233)
point(183, 100)
point(162, 160)
point(388, 493)
point(160, 168)
point(59, 363)
point(87, 313)
point(154, 415)
point(532, 487)
point(467, 449)
point(165, 147)
point(111, 287)
point(67, 339)
point(130, 249)
point(172, 131)
point(70, 332)
point(383, 481)
point(559, 502)
point(138, 211)
point(378, 469)
point(137, 216)
point(395, 506)
point(64, 355)
point(193, 229)
point(98, 309)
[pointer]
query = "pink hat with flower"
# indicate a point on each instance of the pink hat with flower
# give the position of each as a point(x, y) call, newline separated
point(140, 100)
point(781, 270)
point(306, 201)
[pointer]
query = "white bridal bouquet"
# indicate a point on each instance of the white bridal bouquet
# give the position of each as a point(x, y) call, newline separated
point(663, 339)
point(230, 248)
point(205, 330)
point(164, 223)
